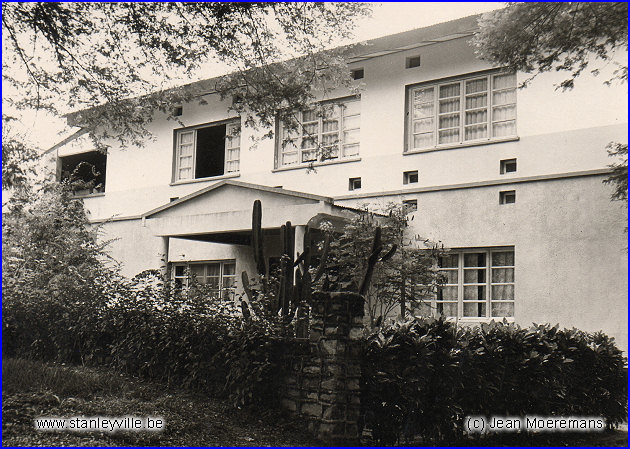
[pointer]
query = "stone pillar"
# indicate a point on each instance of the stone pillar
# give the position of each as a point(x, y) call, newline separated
point(336, 328)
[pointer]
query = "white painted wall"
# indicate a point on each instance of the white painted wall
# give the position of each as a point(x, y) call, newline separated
point(559, 132)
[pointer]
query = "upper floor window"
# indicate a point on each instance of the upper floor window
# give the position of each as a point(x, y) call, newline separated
point(207, 151)
point(474, 109)
point(328, 132)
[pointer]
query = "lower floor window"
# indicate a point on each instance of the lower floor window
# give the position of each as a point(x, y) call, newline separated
point(219, 277)
point(478, 283)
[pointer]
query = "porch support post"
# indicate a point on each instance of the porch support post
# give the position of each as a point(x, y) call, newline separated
point(164, 257)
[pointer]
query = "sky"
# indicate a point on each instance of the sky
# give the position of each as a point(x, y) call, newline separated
point(387, 18)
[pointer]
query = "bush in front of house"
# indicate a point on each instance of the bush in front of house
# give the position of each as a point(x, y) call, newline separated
point(422, 377)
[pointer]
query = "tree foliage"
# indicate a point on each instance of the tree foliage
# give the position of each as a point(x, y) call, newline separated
point(403, 282)
point(619, 175)
point(127, 57)
point(536, 37)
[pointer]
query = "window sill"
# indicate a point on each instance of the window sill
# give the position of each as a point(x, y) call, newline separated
point(87, 195)
point(462, 145)
point(317, 164)
point(479, 320)
point(211, 178)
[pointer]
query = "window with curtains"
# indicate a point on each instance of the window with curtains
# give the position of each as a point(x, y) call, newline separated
point(219, 277)
point(206, 151)
point(330, 131)
point(478, 283)
point(469, 110)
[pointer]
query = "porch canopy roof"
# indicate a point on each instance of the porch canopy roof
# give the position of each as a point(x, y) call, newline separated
point(222, 212)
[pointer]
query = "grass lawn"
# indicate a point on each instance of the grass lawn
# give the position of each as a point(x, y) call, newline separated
point(33, 389)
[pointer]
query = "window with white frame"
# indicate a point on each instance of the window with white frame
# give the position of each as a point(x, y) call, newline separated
point(478, 283)
point(219, 277)
point(329, 132)
point(207, 151)
point(472, 109)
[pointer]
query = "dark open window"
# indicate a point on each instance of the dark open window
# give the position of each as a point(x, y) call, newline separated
point(207, 151)
point(86, 171)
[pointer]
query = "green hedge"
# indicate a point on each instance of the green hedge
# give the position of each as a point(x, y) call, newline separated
point(142, 329)
point(420, 378)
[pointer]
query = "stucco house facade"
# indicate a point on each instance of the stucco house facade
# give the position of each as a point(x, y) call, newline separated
point(509, 179)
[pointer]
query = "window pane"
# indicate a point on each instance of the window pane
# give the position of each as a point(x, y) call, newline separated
point(504, 97)
point(330, 125)
point(309, 116)
point(180, 270)
point(503, 113)
point(309, 155)
point(447, 308)
point(475, 309)
point(447, 293)
point(186, 150)
point(474, 117)
point(186, 137)
point(474, 276)
point(330, 111)
point(290, 158)
point(232, 166)
point(330, 139)
point(351, 108)
point(503, 275)
point(214, 269)
point(474, 292)
point(502, 259)
point(477, 101)
point(351, 136)
point(185, 173)
point(423, 95)
point(350, 150)
point(229, 269)
point(423, 140)
point(423, 110)
point(501, 309)
point(423, 125)
point(309, 142)
point(449, 90)
point(475, 260)
point(185, 162)
point(476, 132)
point(502, 129)
point(352, 122)
point(449, 136)
point(449, 121)
point(310, 129)
point(449, 106)
point(213, 283)
point(197, 273)
point(478, 85)
point(504, 81)
point(505, 292)
point(451, 276)
point(449, 261)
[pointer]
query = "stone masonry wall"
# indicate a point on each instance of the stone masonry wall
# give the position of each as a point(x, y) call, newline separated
point(323, 386)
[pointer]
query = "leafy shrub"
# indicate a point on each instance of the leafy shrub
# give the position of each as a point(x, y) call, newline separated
point(422, 377)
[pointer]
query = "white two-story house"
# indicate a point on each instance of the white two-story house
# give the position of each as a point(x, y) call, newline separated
point(509, 179)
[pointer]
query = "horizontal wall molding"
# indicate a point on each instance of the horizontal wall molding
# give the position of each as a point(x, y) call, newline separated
point(473, 185)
